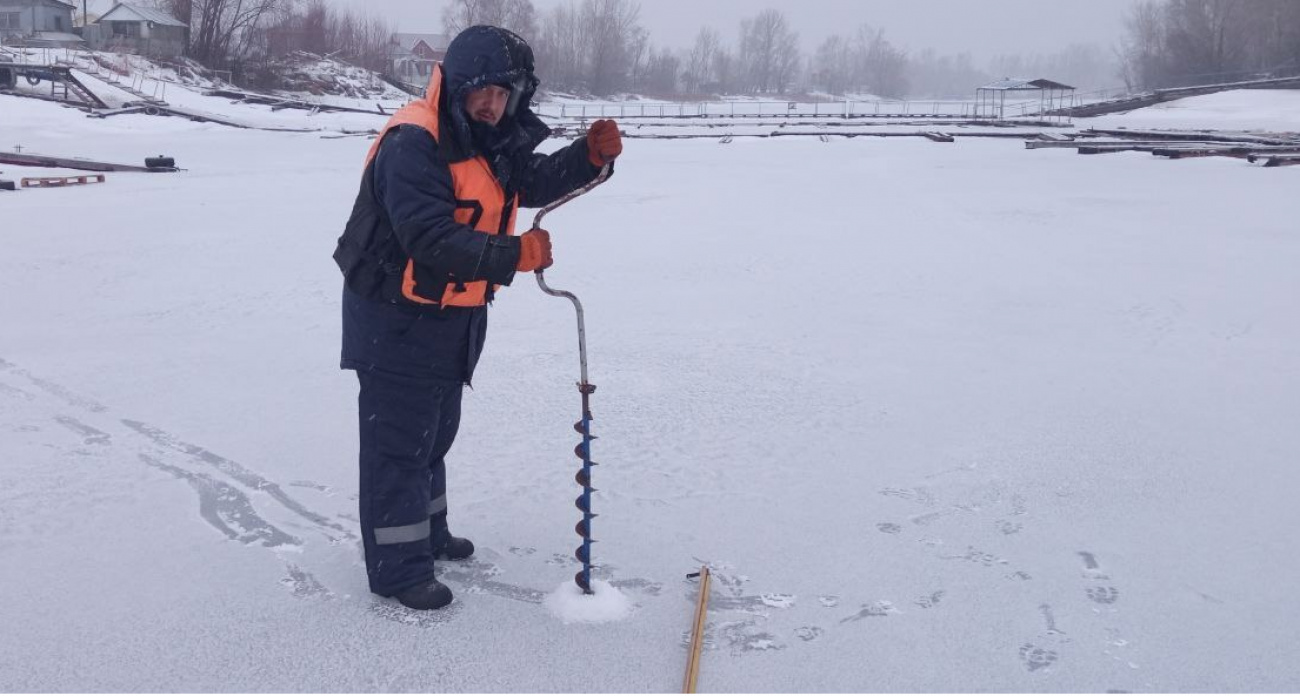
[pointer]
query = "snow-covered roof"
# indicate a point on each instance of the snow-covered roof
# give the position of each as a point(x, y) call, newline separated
point(1017, 85)
point(437, 42)
point(123, 12)
point(64, 4)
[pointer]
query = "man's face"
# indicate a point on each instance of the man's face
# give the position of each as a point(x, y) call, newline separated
point(487, 104)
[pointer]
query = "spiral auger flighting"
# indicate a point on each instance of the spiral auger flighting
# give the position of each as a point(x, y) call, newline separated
point(586, 388)
point(583, 528)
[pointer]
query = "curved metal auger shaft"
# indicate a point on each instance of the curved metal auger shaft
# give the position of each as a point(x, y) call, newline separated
point(586, 388)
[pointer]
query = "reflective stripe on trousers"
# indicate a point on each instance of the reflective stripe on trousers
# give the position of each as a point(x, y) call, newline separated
point(406, 428)
point(412, 532)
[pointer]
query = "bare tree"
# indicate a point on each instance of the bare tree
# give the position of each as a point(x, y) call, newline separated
point(615, 40)
point(769, 52)
point(639, 55)
point(700, 65)
point(726, 71)
point(881, 65)
point(1184, 42)
point(224, 30)
point(934, 75)
point(1206, 38)
point(318, 27)
point(314, 27)
point(1144, 55)
point(865, 62)
point(661, 72)
point(596, 46)
point(560, 49)
point(518, 16)
point(832, 66)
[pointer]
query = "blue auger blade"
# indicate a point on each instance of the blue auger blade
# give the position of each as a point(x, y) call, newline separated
point(583, 553)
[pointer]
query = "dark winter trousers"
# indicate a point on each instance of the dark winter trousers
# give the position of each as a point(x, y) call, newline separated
point(407, 427)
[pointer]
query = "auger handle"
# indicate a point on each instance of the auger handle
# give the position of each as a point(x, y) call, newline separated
point(605, 171)
point(582, 326)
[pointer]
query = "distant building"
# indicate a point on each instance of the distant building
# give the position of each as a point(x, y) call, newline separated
point(135, 29)
point(37, 23)
point(411, 57)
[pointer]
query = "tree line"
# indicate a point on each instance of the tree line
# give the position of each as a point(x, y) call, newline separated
point(237, 33)
point(599, 48)
point(1174, 43)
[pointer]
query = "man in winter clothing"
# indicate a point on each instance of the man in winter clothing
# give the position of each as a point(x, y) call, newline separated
point(430, 240)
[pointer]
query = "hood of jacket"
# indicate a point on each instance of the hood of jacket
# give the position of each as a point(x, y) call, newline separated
point(478, 57)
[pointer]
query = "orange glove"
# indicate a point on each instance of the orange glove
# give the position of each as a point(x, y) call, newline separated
point(604, 142)
point(534, 251)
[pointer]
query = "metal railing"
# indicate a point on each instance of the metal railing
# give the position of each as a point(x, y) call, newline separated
point(760, 109)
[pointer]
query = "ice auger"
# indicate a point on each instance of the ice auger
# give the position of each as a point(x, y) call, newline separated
point(583, 450)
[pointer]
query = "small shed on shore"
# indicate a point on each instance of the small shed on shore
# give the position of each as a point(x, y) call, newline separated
point(138, 29)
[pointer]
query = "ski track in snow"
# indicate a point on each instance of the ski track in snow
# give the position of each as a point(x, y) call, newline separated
point(739, 620)
point(220, 484)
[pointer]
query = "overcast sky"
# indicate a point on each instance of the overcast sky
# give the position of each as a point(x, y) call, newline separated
point(983, 27)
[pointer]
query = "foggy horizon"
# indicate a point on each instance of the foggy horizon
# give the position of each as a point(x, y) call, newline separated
point(985, 29)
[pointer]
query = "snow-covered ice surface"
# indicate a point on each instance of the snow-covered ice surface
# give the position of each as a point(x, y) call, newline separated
point(941, 417)
point(1276, 110)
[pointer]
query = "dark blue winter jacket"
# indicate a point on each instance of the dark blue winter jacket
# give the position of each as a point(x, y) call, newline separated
point(405, 209)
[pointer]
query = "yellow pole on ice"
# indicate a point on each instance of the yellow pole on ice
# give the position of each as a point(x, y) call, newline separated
point(697, 632)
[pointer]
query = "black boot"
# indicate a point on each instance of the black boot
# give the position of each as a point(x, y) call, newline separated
point(430, 594)
point(454, 549)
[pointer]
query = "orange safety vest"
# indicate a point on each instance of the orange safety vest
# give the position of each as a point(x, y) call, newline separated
point(473, 184)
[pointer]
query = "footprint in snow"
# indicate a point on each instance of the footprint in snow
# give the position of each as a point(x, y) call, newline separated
point(873, 610)
point(1036, 658)
point(929, 600)
point(974, 555)
point(809, 633)
point(1103, 595)
point(304, 585)
point(1010, 528)
point(745, 636)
